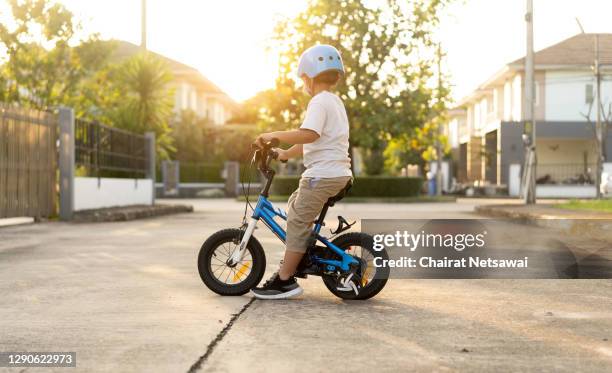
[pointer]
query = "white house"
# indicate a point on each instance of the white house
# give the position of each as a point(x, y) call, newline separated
point(485, 129)
point(192, 90)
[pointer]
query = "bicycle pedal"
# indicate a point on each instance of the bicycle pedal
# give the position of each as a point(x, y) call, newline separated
point(348, 285)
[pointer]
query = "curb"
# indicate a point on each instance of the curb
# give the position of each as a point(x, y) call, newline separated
point(116, 214)
point(594, 226)
point(11, 222)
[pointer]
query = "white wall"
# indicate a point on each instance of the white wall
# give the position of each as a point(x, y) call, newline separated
point(517, 98)
point(453, 133)
point(566, 95)
point(514, 180)
point(566, 191)
point(111, 192)
point(507, 113)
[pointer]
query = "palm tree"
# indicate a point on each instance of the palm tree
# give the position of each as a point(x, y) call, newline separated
point(147, 102)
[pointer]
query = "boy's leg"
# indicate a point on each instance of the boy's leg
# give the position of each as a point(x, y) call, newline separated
point(305, 204)
point(292, 258)
point(304, 208)
point(290, 263)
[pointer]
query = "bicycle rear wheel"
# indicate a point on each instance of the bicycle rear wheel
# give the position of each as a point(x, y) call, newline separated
point(373, 279)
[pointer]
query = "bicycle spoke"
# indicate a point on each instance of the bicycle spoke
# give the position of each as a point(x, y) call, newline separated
point(227, 250)
point(222, 272)
point(232, 273)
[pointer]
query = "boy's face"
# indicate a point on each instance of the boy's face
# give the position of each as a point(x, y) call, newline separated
point(307, 85)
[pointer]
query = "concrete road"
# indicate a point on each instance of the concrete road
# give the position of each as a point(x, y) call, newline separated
point(127, 297)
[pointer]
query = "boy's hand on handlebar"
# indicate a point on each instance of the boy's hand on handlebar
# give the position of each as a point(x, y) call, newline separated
point(282, 154)
point(263, 139)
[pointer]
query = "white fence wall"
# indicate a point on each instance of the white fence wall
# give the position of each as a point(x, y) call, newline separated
point(94, 193)
point(549, 190)
point(566, 191)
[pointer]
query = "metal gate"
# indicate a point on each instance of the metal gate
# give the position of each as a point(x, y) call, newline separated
point(28, 162)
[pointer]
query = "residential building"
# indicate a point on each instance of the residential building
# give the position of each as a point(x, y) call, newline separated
point(485, 130)
point(192, 90)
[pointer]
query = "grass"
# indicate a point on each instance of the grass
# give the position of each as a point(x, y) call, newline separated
point(418, 199)
point(602, 205)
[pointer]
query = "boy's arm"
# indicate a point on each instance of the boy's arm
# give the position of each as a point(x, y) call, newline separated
point(300, 136)
point(293, 152)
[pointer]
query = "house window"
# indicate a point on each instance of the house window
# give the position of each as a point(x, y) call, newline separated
point(588, 94)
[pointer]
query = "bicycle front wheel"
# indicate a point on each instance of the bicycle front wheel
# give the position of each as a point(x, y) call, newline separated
point(226, 279)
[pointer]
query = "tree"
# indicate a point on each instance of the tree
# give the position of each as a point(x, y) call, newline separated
point(192, 138)
point(42, 69)
point(47, 66)
point(384, 47)
point(144, 102)
point(416, 147)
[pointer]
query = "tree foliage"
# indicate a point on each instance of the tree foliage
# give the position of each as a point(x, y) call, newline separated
point(47, 65)
point(41, 68)
point(145, 101)
point(198, 140)
point(385, 47)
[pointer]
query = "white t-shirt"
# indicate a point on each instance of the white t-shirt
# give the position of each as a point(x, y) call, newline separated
point(328, 156)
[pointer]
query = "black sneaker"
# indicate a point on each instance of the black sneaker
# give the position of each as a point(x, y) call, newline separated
point(275, 288)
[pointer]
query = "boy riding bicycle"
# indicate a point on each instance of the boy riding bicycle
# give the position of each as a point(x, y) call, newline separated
point(323, 140)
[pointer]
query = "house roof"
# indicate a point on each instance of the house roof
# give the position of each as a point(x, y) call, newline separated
point(125, 49)
point(577, 50)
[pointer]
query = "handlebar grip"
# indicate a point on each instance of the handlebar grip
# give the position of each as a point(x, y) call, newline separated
point(275, 156)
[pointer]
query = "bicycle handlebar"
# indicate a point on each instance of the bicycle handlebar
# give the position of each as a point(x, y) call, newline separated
point(264, 153)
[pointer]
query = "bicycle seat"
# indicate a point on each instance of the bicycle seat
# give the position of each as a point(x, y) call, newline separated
point(332, 200)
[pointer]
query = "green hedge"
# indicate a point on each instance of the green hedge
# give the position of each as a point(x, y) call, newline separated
point(284, 185)
point(201, 173)
point(207, 173)
point(363, 186)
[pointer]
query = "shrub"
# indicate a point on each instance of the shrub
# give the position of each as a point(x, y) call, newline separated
point(364, 186)
point(201, 173)
point(284, 185)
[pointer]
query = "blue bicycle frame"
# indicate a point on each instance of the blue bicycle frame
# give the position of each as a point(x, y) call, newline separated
point(267, 212)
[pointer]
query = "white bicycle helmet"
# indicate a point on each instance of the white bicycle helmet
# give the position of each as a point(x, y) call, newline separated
point(319, 59)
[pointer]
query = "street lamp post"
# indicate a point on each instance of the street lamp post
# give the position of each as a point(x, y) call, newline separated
point(529, 177)
point(143, 24)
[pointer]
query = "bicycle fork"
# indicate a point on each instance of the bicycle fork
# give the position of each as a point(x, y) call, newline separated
point(238, 254)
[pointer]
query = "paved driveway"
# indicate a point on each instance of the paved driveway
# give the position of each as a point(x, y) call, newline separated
point(127, 297)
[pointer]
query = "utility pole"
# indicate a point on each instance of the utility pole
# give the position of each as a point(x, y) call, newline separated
point(529, 177)
point(439, 129)
point(143, 25)
point(598, 125)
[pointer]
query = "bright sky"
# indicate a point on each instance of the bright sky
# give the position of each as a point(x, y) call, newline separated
point(226, 39)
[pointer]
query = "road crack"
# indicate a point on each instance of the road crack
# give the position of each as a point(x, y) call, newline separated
point(213, 344)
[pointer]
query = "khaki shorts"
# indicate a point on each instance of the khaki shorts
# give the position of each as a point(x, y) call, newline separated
point(304, 207)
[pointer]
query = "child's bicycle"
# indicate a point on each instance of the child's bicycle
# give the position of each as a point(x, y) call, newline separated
point(232, 261)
